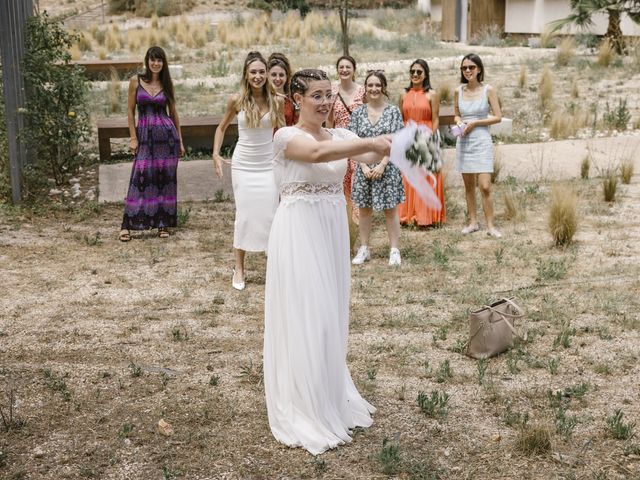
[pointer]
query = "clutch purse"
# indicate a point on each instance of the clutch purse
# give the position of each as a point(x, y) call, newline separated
point(457, 130)
point(492, 329)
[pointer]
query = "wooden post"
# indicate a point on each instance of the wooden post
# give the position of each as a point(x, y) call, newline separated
point(13, 27)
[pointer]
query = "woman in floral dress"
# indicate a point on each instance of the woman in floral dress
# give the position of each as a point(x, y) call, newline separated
point(349, 96)
point(379, 186)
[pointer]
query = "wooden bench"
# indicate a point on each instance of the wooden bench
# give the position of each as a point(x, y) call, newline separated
point(446, 115)
point(196, 132)
point(101, 69)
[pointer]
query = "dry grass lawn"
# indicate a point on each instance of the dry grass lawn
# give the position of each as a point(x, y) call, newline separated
point(100, 340)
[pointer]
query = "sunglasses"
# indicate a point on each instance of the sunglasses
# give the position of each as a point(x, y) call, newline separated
point(471, 68)
point(416, 72)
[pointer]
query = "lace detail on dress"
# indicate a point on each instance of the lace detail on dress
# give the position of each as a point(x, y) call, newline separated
point(311, 192)
point(282, 137)
point(304, 188)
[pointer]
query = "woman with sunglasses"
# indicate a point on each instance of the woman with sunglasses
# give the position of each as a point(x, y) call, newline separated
point(421, 103)
point(259, 111)
point(311, 399)
point(473, 101)
point(377, 187)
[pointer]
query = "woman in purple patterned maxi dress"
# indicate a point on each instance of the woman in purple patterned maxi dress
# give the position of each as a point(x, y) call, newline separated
point(157, 144)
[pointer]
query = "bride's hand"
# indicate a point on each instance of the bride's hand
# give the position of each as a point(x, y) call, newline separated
point(382, 145)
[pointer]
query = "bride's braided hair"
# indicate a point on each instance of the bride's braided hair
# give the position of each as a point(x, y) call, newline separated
point(301, 79)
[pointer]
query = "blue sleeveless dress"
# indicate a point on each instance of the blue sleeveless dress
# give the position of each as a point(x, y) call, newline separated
point(474, 152)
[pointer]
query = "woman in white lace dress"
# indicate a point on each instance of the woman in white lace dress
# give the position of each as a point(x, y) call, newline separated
point(311, 400)
point(254, 190)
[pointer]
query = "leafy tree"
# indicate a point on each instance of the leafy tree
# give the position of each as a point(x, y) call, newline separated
point(582, 12)
point(56, 109)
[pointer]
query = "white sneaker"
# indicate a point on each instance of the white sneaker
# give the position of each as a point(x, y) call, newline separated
point(492, 232)
point(470, 229)
point(394, 257)
point(362, 256)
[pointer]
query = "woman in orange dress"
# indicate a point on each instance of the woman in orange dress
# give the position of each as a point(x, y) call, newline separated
point(421, 104)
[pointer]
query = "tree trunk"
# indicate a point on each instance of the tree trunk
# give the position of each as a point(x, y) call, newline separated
point(614, 32)
point(344, 25)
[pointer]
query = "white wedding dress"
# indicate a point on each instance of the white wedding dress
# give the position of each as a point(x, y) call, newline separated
point(254, 190)
point(311, 399)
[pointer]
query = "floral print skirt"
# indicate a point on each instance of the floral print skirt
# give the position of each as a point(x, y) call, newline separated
point(381, 194)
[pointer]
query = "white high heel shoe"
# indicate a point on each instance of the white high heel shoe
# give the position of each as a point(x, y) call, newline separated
point(236, 285)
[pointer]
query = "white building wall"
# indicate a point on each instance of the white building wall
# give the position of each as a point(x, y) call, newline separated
point(433, 7)
point(532, 16)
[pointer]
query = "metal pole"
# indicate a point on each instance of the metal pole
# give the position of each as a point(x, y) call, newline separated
point(13, 26)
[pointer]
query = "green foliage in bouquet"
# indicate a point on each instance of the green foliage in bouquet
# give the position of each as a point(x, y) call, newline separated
point(425, 151)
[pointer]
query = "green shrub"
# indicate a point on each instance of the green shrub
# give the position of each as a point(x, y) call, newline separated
point(260, 5)
point(5, 173)
point(121, 6)
point(617, 117)
point(147, 8)
point(56, 109)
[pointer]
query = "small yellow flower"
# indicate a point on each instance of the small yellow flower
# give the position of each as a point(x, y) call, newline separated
point(72, 114)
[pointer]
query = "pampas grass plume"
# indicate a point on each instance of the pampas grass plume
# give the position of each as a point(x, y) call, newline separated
point(566, 52)
point(563, 215)
point(610, 185)
point(545, 89)
point(626, 171)
point(606, 53)
point(522, 78)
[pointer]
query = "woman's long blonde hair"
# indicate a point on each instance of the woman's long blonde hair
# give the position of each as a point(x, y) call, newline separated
point(248, 104)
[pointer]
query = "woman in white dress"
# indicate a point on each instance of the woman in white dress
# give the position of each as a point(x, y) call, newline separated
point(254, 189)
point(311, 400)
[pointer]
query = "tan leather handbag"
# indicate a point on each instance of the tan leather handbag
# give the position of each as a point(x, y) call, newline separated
point(492, 329)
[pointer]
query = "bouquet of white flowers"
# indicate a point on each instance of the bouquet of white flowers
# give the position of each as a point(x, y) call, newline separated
point(416, 152)
point(425, 150)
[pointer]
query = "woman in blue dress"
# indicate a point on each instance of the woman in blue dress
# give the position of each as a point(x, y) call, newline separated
point(473, 101)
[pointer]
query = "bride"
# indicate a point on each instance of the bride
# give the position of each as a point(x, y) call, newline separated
point(312, 401)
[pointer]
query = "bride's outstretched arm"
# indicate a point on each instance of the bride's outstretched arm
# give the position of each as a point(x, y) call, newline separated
point(362, 150)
